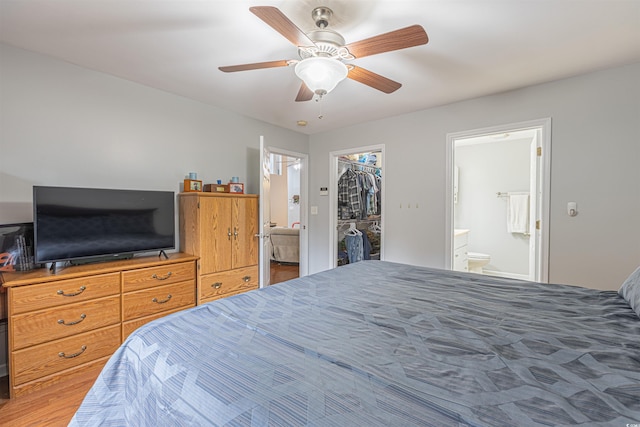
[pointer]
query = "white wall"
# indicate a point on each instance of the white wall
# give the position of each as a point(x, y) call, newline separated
point(595, 157)
point(278, 192)
point(484, 170)
point(65, 125)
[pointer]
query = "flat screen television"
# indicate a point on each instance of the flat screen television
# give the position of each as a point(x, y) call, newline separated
point(92, 224)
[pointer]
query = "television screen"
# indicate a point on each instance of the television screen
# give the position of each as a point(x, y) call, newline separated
point(80, 224)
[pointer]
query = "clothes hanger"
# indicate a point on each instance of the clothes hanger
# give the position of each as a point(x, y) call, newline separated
point(352, 230)
point(375, 227)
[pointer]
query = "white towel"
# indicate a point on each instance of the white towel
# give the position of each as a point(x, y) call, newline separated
point(518, 213)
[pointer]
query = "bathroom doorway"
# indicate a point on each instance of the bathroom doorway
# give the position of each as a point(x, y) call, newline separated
point(498, 199)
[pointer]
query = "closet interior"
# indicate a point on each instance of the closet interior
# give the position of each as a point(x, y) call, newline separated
point(359, 207)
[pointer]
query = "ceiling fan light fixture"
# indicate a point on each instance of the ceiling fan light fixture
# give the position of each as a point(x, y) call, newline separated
point(321, 74)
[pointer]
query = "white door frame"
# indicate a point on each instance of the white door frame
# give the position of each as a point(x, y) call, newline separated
point(542, 187)
point(333, 198)
point(304, 202)
point(264, 214)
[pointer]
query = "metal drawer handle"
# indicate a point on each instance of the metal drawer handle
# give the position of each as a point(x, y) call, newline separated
point(217, 285)
point(161, 302)
point(61, 292)
point(62, 322)
point(155, 276)
point(229, 233)
point(71, 356)
point(246, 278)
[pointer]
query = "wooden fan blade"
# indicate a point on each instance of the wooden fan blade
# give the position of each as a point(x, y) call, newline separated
point(387, 42)
point(279, 22)
point(255, 66)
point(374, 80)
point(304, 94)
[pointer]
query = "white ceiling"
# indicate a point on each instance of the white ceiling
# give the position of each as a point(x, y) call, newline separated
point(476, 47)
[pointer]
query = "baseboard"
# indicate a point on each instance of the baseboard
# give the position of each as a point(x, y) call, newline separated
point(505, 274)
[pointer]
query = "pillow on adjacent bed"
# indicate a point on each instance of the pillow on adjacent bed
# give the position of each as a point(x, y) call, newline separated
point(630, 290)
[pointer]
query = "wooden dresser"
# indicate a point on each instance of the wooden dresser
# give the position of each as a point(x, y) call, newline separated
point(221, 229)
point(65, 322)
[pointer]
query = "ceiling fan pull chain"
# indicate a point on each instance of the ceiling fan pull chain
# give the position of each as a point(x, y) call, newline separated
point(319, 101)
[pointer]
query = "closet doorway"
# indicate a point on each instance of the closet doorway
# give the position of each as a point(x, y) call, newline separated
point(498, 200)
point(357, 205)
point(287, 196)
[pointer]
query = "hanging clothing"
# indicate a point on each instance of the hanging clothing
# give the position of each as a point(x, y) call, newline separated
point(359, 202)
point(355, 248)
point(379, 198)
point(366, 245)
point(349, 199)
point(359, 194)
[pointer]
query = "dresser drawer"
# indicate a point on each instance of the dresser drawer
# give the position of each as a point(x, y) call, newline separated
point(228, 282)
point(157, 299)
point(45, 359)
point(131, 325)
point(53, 294)
point(59, 322)
point(154, 276)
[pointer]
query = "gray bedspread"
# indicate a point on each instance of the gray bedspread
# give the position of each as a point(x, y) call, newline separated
point(381, 344)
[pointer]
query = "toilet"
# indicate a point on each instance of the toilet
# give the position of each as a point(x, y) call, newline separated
point(477, 260)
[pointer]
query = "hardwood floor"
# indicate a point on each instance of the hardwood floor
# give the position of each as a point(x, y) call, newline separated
point(51, 406)
point(56, 404)
point(281, 272)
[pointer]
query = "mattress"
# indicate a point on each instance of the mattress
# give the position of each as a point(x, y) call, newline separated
point(381, 344)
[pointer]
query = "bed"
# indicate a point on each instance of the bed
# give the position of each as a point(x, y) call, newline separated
point(377, 343)
point(285, 243)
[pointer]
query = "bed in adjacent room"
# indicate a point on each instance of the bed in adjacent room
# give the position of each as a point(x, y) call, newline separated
point(378, 343)
point(285, 244)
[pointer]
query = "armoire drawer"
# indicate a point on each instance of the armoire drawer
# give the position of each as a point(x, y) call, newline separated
point(45, 359)
point(154, 276)
point(53, 323)
point(230, 282)
point(53, 294)
point(157, 299)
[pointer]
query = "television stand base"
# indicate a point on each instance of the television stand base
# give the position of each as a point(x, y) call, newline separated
point(163, 254)
point(96, 259)
point(92, 260)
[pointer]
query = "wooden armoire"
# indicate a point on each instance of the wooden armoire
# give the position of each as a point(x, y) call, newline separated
point(221, 229)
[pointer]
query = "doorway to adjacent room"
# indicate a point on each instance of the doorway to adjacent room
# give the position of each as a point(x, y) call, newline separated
point(498, 200)
point(356, 204)
point(289, 231)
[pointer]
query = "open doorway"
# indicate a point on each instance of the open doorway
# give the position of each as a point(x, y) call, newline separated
point(288, 232)
point(357, 205)
point(497, 200)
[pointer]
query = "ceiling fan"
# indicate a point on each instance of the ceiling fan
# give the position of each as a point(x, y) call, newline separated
point(323, 52)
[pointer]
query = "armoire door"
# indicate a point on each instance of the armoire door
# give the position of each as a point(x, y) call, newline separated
point(216, 234)
point(244, 215)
